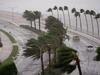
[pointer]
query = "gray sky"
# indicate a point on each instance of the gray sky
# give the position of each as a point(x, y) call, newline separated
point(43, 5)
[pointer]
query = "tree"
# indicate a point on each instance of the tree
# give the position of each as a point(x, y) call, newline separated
point(66, 8)
point(35, 48)
point(38, 16)
point(97, 58)
point(80, 21)
point(61, 9)
point(56, 8)
point(55, 27)
point(97, 17)
point(76, 15)
point(84, 12)
point(29, 15)
point(65, 57)
point(91, 13)
point(50, 10)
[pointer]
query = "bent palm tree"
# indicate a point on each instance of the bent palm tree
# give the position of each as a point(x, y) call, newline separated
point(74, 11)
point(76, 15)
point(66, 8)
point(56, 8)
point(60, 8)
point(97, 17)
point(92, 13)
point(35, 49)
point(29, 15)
point(82, 11)
point(66, 56)
point(38, 16)
point(80, 21)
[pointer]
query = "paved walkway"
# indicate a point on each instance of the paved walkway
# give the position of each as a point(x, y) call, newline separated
point(7, 47)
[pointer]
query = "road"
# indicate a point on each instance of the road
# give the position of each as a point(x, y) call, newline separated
point(28, 66)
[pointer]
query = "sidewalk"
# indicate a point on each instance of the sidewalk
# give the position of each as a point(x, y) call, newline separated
point(7, 47)
point(85, 35)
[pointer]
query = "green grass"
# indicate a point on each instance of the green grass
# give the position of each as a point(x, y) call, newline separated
point(8, 66)
point(9, 61)
point(9, 36)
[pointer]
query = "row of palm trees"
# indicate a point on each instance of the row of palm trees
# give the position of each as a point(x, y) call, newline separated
point(61, 9)
point(93, 16)
point(33, 16)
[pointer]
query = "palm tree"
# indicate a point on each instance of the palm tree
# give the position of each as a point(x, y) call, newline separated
point(74, 11)
point(56, 8)
point(35, 49)
point(92, 13)
point(65, 56)
point(29, 15)
point(66, 8)
point(38, 16)
point(60, 8)
point(97, 17)
point(80, 21)
point(82, 11)
point(76, 15)
point(50, 10)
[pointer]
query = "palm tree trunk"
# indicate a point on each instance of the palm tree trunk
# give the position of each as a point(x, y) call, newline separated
point(80, 23)
point(64, 18)
point(52, 13)
point(34, 24)
point(86, 23)
point(39, 23)
point(97, 26)
point(76, 23)
point(42, 63)
point(58, 13)
point(78, 65)
point(69, 18)
point(92, 24)
point(49, 54)
point(55, 55)
point(31, 23)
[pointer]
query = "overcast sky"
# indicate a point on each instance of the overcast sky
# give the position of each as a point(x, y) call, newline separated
point(43, 5)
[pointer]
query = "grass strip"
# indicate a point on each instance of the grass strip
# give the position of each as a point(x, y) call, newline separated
point(9, 36)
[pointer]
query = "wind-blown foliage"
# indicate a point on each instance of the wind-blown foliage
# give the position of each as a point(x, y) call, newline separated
point(67, 60)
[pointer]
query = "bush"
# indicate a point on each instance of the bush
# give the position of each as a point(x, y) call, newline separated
point(97, 58)
point(9, 69)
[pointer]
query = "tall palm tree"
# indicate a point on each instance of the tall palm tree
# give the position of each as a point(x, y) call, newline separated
point(29, 15)
point(73, 12)
point(61, 9)
point(84, 12)
point(92, 13)
point(76, 15)
point(56, 8)
point(66, 8)
point(80, 21)
point(50, 10)
point(97, 17)
point(38, 16)
point(65, 56)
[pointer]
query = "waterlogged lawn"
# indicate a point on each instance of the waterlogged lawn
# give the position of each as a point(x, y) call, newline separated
point(8, 67)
